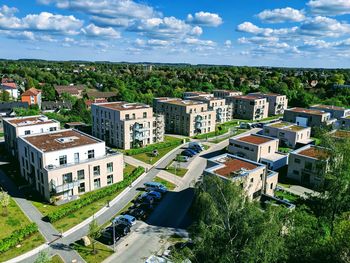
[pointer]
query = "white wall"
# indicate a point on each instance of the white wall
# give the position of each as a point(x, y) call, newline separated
point(36, 129)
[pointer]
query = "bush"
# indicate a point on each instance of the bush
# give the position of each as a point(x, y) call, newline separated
point(153, 147)
point(17, 236)
point(89, 198)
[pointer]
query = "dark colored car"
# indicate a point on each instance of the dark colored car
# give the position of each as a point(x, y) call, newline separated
point(122, 229)
point(260, 125)
point(194, 152)
point(187, 153)
point(107, 235)
point(138, 213)
point(148, 208)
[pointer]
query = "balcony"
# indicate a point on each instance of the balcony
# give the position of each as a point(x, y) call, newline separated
point(65, 187)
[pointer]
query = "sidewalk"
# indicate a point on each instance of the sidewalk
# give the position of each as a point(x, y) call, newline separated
point(172, 178)
point(136, 163)
point(299, 191)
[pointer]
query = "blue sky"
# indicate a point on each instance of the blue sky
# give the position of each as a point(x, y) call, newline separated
point(294, 33)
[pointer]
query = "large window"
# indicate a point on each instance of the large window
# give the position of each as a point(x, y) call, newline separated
point(110, 179)
point(26, 132)
point(67, 178)
point(63, 159)
point(97, 183)
point(81, 175)
point(76, 157)
point(81, 188)
point(91, 154)
point(109, 167)
point(96, 170)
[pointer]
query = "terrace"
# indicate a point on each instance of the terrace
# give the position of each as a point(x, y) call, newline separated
point(314, 152)
point(255, 139)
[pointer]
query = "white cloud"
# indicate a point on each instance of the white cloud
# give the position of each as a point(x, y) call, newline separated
point(324, 26)
point(95, 31)
point(248, 27)
point(205, 19)
point(7, 18)
point(106, 21)
point(228, 43)
point(330, 7)
point(199, 42)
point(281, 15)
point(197, 31)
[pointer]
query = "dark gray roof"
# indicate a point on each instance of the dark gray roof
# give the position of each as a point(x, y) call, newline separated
point(9, 106)
point(54, 105)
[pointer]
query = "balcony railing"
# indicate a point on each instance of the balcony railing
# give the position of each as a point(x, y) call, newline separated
point(65, 187)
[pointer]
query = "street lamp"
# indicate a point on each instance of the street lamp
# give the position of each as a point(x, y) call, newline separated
point(113, 225)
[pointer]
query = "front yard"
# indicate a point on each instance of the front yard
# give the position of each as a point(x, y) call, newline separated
point(176, 169)
point(87, 254)
point(168, 184)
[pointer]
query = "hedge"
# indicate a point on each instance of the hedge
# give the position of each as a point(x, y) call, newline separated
point(17, 236)
point(153, 147)
point(89, 198)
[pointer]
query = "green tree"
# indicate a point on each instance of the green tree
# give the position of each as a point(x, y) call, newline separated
point(4, 96)
point(49, 93)
point(94, 233)
point(4, 201)
point(43, 257)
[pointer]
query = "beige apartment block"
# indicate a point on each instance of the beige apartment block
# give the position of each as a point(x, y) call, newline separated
point(289, 134)
point(127, 125)
point(222, 93)
point(189, 94)
point(186, 117)
point(248, 107)
point(64, 164)
point(254, 177)
point(258, 148)
point(335, 111)
point(308, 164)
point(277, 102)
point(223, 111)
point(308, 117)
point(19, 126)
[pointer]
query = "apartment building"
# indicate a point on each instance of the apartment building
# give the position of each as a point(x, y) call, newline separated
point(335, 111)
point(126, 125)
point(19, 126)
point(67, 163)
point(32, 96)
point(223, 111)
point(258, 148)
point(307, 165)
point(289, 134)
point(189, 94)
point(340, 134)
point(254, 177)
point(222, 93)
point(344, 123)
point(186, 117)
point(248, 107)
point(277, 102)
point(308, 117)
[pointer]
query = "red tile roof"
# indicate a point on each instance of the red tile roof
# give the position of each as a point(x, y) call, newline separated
point(31, 92)
point(9, 85)
point(254, 139)
point(233, 165)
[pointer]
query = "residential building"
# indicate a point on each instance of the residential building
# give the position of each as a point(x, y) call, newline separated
point(289, 134)
point(223, 111)
point(64, 164)
point(55, 106)
point(32, 96)
point(308, 117)
point(186, 117)
point(277, 102)
point(20, 126)
point(248, 107)
point(307, 165)
point(126, 125)
point(254, 177)
point(340, 134)
point(222, 93)
point(7, 108)
point(335, 111)
point(99, 95)
point(258, 148)
point(73, 90)
point(88, 103)
point(189, 94)
point(9, 86)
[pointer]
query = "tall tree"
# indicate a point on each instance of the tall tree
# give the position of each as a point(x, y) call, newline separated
point(4, 201)
point(94, 233)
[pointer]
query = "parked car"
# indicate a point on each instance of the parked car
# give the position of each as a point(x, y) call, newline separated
point(197, 146)
point(145, 197)
point(187, 153)
point(122, 229)
point(192, 151)
point(245, 125)
point(137, 213)
point(260, 125)
point(107, 235)
point(125, 219)
point(148, 208)
point(154, 186)
point(156, 195)
point(182, 158)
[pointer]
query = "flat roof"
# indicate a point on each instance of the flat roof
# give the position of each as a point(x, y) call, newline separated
point(308, 111)
point(341, 134)
point(328, 107)
point(249, 97)
point(187, 102)
point(281, 124)
point(64, 139)
point(123, 106)
point(255, 139)
point(315, 152)
point(233, 165)
point(295, 128)
point(204, 98)
point(30, 121)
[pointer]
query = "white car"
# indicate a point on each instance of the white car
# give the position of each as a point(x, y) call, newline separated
point(124, 219)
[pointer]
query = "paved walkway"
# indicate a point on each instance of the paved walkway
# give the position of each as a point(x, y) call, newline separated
point(136, 162)
point(299, 190)
point(172, 178)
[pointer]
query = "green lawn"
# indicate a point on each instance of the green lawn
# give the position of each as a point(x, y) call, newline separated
point(86, 253)
point(149, 158)
point(317, 140)
point(81, 214)
point(168, 184)
point(285, 195)
point(178, 171)
point(239, 131)
point(128, 169)
point(56, 259)
point(14, 221)
point(284, 149)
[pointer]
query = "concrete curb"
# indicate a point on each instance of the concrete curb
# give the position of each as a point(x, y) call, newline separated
point(28, 254)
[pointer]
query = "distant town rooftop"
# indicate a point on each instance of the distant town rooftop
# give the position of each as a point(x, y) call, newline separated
point(123, 106)
point(255, 139)
point(307, 111)
point(30, 121)
point(314, 152)
point(233, 165)
point(266, 94)
point(64, 139)
point(249, 97)
point(328, 107)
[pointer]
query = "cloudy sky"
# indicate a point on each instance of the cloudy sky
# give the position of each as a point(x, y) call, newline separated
point(312, 33)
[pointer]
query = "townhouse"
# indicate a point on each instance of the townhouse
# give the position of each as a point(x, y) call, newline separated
point(222, 93)
point(258, 148)
point(254, 177)
point(277, 102)
point(32, 96)
point(248, 107)
point(307, 165)
point(126, 125)
point(289, 134)
point(19, 126)
point(9, 86)
point(185, 117)
point(64, 164)
point(308, 117)
point(344, 123)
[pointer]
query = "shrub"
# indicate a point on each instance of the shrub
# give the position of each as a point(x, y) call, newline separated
point(153, 147)
point(94, 196)
point(17, 236)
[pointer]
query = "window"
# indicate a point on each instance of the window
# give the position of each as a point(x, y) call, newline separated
point(76, 157)
point(109, 167)
point(295, 172)
point(63, 159)
point(251, 180)
point(26, 132)
point(271, 186)
point(52, 128)
point(308, 166)
point(145, 114)
point(81, 188)
point(296, 160)
point(81, 174)
point(91, 154)
point(110, 179)
point(269, 149)
point(96, 170)
point(97, 183)
point(32, 156)
point(67, 178)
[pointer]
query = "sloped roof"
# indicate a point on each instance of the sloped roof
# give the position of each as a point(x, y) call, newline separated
point(31, 92)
